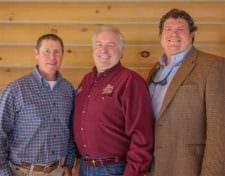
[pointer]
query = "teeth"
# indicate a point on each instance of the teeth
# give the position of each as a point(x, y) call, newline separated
point(174, 40)
point(104, 56)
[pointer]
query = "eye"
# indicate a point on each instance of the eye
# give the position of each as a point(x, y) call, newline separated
point(180, 29)
point(110, 45)
point(167, 29)
point(58, 52)
point(46, 51)
point(98, 45)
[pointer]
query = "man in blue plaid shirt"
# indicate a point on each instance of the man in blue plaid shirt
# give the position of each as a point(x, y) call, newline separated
point(35, 118)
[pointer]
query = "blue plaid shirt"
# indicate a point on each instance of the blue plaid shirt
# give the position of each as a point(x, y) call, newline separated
point(36, 122)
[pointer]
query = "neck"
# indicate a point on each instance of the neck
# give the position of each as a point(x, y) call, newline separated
point(168, 60)
point(50, 78)
point(47, 76)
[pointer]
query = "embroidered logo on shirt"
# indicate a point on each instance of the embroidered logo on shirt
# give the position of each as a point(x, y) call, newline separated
point(108, 89)
point(79, 90)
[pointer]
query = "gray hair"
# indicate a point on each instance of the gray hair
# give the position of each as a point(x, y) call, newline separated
point(112, 29)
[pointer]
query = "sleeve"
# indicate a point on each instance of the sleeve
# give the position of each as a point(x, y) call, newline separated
point(71, 154)
point(214, 155)
point(138, 126)
point(7, 113)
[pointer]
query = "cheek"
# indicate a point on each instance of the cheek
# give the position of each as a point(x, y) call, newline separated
point(163, 43)
point(162, 39)
point(187, 40)
point(60, 60)
point(95, 53)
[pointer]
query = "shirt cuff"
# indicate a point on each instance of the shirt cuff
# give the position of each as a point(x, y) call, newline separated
point(70, 158)
point(5, 170)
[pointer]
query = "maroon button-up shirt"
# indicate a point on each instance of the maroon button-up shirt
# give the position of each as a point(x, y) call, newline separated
point(113, 117)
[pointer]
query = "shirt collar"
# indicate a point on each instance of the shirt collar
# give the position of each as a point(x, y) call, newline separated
point(107, 72)
point(175, 59)
point(41, 79)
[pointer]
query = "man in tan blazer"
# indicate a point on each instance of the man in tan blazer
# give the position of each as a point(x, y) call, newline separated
point(188, 97)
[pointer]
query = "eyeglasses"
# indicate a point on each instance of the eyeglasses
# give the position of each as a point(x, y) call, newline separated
point(162, 82)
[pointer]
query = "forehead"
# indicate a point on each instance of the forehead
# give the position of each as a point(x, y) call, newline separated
point(175, 22)
point(50, 43)
point(107, 36)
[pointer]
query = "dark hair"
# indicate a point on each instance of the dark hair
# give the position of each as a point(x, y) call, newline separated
point(177, 13)
point(50, 37)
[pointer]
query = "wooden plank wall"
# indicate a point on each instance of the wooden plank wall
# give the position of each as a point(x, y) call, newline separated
point(23, 21)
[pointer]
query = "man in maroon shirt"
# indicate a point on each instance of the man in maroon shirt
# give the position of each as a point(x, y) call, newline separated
point(113, 125)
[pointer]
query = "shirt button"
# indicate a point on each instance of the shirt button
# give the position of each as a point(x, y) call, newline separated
point(83, 112)
point(103, 98)
point(89, 96)
point(84, 145)
point(82, 129)
point(53, 152)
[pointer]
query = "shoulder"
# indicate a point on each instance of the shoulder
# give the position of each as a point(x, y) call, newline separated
point(14, 88)
point(68, 84)
point(67, 87)
point(204, 61)
point(87, 78)
point(206, 64)
point(132, 75)
point(209, 58)
point(19, 82)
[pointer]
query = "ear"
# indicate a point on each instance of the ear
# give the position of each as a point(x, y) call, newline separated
point(193, 36)
point(160, 38)
point(122, 52)
point(36, 53)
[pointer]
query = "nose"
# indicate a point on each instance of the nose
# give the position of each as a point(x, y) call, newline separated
point(174, 32)
point(52, 55)
point(104, 48)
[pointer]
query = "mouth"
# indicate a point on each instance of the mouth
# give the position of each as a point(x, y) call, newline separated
point(174, 43)
point(104, 56)
point(51, 64)
point(174, 40)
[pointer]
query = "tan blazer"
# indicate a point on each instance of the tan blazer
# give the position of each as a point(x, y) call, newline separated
point(190, 131)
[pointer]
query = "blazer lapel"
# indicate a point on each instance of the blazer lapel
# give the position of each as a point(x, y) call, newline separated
point(184, 70)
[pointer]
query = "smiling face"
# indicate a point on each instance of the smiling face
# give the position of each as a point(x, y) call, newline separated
point(49, 58)
point(175, 36)
point(107, 50)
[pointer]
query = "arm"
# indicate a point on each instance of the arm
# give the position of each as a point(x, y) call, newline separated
point(6, 125)
point(214, 154)
point(69, 160)
point(71, 154)
point(138, 126)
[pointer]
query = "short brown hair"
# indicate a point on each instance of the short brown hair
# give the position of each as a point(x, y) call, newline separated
point(51, 37)
point(177, 13)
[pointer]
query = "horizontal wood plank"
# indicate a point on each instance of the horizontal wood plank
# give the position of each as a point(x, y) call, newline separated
point(80, 34)
point(7, 75)
point(80, 57)
point(23, 56)
point(107, 11)
point(90, 1)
